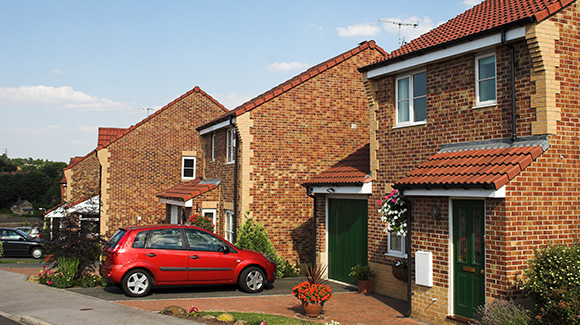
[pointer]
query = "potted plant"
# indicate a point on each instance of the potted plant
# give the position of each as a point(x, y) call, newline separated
point(363, 275)
point(400, 269)
point(312, 292)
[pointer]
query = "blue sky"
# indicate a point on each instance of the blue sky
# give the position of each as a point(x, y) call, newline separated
point(69, 67)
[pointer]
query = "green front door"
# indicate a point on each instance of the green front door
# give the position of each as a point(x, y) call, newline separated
point(468, 256)
point(347, 237)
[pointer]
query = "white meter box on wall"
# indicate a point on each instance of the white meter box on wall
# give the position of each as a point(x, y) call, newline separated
point(424, 268)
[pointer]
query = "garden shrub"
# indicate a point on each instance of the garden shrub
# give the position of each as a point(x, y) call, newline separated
point(1, 249)
point(552, 280)
point(69, 241)
point(253, 236)
point(502, 312)
point(64, 277)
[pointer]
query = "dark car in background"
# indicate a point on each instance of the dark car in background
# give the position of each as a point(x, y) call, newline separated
point(140, 258)
point(19, 243)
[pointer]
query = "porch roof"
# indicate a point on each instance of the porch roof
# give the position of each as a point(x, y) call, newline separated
point(188, 190)
point(487, 165)
point(354, 169)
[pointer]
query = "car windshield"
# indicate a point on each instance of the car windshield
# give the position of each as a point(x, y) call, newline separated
point(25, 235)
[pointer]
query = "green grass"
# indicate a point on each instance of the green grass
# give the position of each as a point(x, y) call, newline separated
point(257, 318)
point(4, 261)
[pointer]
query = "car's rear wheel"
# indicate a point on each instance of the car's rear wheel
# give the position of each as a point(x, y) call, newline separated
point(137, 283)
point(252, 279)
point(36, 252)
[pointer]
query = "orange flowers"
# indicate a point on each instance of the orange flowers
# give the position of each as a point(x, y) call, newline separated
point(312, 293)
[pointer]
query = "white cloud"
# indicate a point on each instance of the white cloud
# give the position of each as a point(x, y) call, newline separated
point(57, 71)
point(471, 3)
point(233, 100)
point(287, 66)
point(88, 129)
point(359, 30)
point(43, 131)
point(409, 32)
point(58, 97)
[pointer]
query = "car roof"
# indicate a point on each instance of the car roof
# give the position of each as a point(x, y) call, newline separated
point(160, 226)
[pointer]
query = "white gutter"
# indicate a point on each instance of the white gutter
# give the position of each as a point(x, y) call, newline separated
point(462, 48)
point(366, 188)
point(471, 193)
point(218, 126)
point(186, 204)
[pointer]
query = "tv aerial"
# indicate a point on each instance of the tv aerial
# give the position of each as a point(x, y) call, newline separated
point(400, 24)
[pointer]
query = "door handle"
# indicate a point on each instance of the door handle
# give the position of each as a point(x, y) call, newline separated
point(151, 255)
point(482, 271)
point(195, 257)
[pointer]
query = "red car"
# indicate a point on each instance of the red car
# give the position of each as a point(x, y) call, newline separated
point(139, 258)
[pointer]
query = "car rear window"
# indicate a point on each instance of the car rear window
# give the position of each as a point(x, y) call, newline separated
point(116, 237)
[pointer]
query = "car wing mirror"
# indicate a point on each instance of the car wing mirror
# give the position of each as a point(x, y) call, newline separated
point(226, 249)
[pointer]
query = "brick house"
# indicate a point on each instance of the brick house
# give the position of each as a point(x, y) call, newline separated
point(476, 124)
point(160, 151)
point(258, 155)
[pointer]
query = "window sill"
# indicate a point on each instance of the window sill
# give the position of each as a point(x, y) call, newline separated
point(230, 163)
point(484, 105)
point(400, 126)
point(396, 255)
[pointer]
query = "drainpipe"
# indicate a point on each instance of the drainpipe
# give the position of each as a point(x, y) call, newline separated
point(513, 83)
point(309, 193)
point(409, 255)
point(235, 219)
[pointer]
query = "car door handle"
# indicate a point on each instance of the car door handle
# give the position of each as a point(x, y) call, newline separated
point(151, 255)
point(195, 257)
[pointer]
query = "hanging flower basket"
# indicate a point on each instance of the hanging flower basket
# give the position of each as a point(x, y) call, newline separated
point(400, 273)
point(393, 213)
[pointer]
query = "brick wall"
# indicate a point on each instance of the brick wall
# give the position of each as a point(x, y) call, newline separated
point(296, 136)
point(82, 179)
point(147, 160)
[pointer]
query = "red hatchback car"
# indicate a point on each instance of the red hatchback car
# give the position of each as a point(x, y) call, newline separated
point(139, 258)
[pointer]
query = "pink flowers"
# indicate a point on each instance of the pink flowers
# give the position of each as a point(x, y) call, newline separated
point(193, 310)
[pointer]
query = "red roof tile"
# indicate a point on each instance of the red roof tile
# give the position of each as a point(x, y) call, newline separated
point(354, 169)
point(188, 190)
point(297, 80)
point(108, 135)
point(480, 168)
point(488, 16)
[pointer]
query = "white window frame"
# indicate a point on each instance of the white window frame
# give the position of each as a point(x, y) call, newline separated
point(183, 159)
point(396, 253)
point(213, 212)
point(492, 102)
point(230, 145)
point(229, 225)
point(410, 98)
point(213, 146)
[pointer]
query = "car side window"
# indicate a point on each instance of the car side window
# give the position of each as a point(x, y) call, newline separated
point(140, 238)
point(165, 239)
point(203, 241)
point(11, 235)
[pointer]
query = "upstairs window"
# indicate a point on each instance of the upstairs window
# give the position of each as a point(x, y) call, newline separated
point(231, 146)
point(485, 80)
point(411, 91)
point(188, 168)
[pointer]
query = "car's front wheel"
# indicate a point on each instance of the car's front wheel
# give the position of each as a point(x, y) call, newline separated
point(137, 283)
point(252, 279)
point(36, 252)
